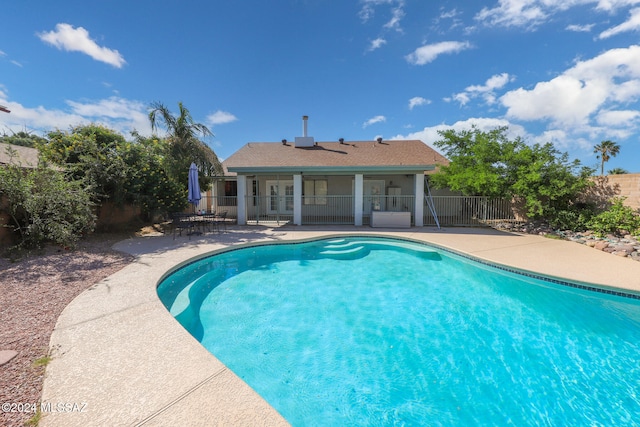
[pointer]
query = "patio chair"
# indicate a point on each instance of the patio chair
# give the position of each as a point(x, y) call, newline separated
point(182, 221)
point(221, 220)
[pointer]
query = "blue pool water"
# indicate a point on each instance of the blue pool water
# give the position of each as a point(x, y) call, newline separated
point(377, 331)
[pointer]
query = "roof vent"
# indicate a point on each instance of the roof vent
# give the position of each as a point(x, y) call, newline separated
point(284, 142)
point(379, 140)
point(304, 140)
point(341, 140)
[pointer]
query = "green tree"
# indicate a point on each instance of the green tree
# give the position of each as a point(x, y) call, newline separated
point(136, 172)
point(149, 184)
point(606, 150)
point(477, 164)
point(184, 145)
point(22, 138)
point(92, 154)
point(490, 164)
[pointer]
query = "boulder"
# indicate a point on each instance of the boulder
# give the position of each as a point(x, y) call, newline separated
point(6, 356)
point(626, 248)
point(601, 245)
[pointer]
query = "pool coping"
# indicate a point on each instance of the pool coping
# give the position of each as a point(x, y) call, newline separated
point(117, 349)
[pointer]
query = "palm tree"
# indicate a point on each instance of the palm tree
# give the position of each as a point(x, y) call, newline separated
point(606, 150)
point(617, 171)
point(184, 145)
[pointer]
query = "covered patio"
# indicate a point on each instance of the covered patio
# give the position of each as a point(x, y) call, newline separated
point(329, 182)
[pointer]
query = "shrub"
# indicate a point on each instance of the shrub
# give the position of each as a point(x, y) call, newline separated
point(44, 206)
point(618, 219)
point(575, 218)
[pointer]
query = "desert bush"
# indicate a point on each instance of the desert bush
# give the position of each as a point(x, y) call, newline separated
point(574, 218)
point(44, 206)
point(617, 219)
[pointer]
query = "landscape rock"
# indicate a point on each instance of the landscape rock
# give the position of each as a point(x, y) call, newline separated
point(626, 246)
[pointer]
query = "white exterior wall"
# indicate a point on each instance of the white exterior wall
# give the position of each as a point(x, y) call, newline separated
point(358, 202)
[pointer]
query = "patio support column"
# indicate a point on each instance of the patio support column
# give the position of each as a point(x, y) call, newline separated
point(358, 199)
point(297, 199)
point(242, 200)
point(418, 217)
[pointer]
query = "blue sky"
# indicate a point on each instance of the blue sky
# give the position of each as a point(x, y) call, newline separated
point(561, 71)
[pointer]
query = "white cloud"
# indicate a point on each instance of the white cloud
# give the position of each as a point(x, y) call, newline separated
point(397, 13)
point(617, 118)
point(368, 8)
point(449, 15)
point(418, 101)
point(116, 113)
point(486, 91)
point(532, 13)
point(374, 120)
point(514, 13)
point(428, 53)
point(613, 5)
point(589, 100)
point(565, 100)
point(632, 24)
point(376, 44)
point(580, 28)
point(221, 117)
point(430, 134)
point(65, 37)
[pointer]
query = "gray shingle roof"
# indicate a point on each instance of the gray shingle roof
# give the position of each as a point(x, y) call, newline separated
point(18, 155)
point(352, 155)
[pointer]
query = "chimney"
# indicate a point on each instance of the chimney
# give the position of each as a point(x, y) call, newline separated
point(304, 140)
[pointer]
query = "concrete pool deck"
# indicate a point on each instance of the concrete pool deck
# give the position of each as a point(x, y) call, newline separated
point(120, 359)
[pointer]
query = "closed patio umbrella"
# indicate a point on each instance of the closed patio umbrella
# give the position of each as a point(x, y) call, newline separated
point(194, 186)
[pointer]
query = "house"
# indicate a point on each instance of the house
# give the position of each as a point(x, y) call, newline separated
point(339, 182)
point(25, 157)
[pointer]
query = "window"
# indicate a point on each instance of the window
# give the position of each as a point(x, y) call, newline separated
point(315, 191)
point(230, 197)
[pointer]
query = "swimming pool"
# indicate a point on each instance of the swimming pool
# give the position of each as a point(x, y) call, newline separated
point(378, 331)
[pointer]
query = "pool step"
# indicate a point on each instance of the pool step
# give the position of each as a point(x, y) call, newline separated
point(345, 252)
point(340, 246)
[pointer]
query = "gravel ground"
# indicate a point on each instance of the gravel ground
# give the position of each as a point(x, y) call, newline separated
point(33, 293)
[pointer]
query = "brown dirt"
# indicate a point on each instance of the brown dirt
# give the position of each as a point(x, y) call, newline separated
point(33, 293)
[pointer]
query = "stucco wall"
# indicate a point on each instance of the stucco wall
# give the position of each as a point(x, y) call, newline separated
point(623, 185)
point(628, 185)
